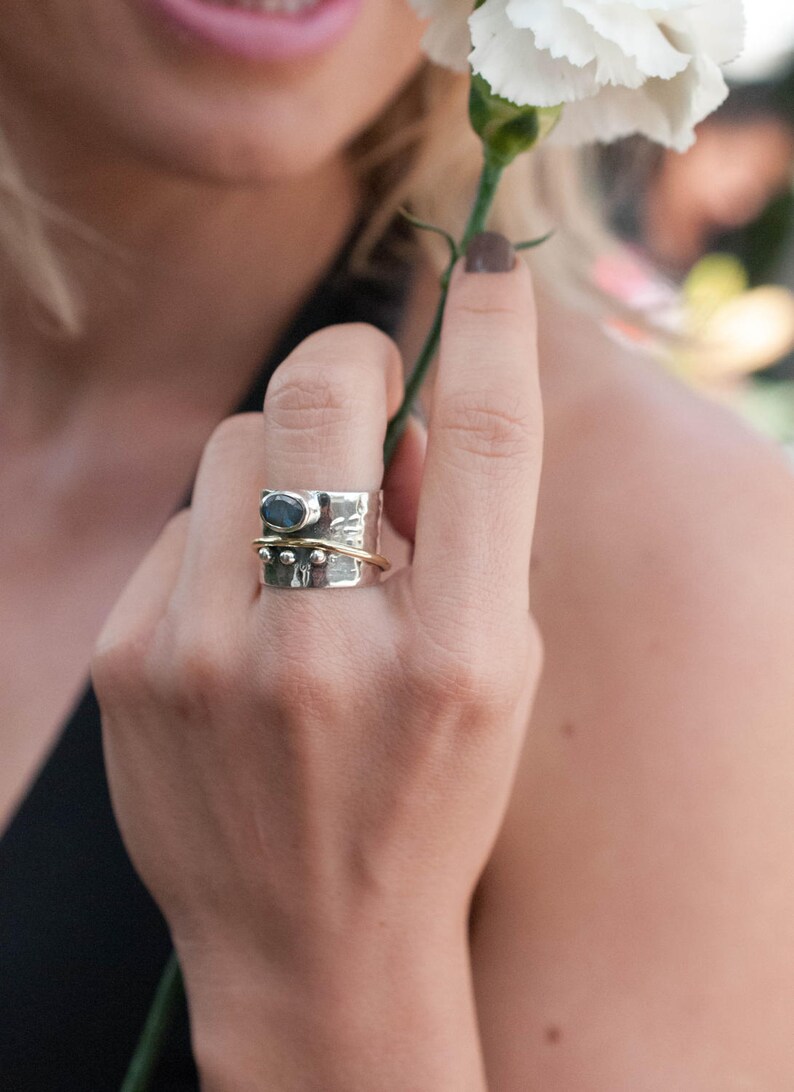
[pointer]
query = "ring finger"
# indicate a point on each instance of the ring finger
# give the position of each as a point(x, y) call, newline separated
point(324, 420)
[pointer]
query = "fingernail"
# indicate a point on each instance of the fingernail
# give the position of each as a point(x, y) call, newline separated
point(490, 252)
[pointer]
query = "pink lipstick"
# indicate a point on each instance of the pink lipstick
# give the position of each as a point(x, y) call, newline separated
point(262, 30)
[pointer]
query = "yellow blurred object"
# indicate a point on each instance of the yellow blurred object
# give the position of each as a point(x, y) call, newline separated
point(711, 283)
point(751, 331)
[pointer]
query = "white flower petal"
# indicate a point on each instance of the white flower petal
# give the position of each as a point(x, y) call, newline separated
point(565, 32)
point(665, 111)
point(636, 33)
point(447, 40)
point(620, 66)
point(516, 69)
point(657, 6)
point(557, 28)
point(690, 98)
point(716, 26)
point(614, 67)
point(614, 113)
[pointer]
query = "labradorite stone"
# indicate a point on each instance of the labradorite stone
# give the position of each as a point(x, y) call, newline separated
point(283, 512)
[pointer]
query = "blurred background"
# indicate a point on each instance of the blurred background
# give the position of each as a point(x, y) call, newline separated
point(709, 235)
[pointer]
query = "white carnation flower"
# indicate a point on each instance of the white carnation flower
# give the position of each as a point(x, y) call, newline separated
point(619, 66)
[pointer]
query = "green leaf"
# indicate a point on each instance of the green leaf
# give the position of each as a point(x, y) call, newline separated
point(530, 244)
point(423, 225)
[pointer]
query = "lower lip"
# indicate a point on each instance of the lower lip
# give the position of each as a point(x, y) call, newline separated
point(262, 35)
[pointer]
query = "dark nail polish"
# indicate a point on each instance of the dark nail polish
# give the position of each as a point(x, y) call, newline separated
point(490, 252)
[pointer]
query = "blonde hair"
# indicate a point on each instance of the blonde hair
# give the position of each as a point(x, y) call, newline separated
point(25, 245)
point(420, 153)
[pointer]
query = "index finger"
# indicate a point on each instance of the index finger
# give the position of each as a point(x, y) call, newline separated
point(480, 486)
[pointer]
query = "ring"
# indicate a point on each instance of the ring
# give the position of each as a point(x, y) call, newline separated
point(318, 546)
point(320, 539)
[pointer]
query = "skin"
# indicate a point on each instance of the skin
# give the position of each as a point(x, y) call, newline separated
point(632, 924)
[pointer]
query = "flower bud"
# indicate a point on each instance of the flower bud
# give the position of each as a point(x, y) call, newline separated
point(505, 129)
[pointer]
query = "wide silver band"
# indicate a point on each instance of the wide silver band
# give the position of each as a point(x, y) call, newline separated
point(310, 538)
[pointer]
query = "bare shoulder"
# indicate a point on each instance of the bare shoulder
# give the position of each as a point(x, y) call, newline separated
point(661, 509)
point(636, 928)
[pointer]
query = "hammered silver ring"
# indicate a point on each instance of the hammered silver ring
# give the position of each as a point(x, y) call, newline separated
point(314, 538)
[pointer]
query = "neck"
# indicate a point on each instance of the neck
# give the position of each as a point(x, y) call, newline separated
point(190, 284)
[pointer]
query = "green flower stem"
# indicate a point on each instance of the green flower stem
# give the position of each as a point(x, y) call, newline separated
point(486, 191)
point(415, 381)
point(170, 992)
point(171, 989)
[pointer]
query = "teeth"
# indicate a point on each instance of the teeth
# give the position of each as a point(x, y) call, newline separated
point(274, 7)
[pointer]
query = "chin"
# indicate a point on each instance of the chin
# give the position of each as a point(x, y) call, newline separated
point(278, 135)
point(123, 84)
point(222, 146)
point(281, 134)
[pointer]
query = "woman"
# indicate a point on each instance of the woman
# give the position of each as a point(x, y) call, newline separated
point(312, 785)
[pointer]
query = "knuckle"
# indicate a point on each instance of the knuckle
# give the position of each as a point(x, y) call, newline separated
point(308, 395)
point(233, 430)
point(174, 533)
point(197, 671)
point(119, 666)
point(329, 377)
point(310, 690)
point(499, 428)
point(475, 671)
point(231, 435)
point(470, 686)
point(176, 524)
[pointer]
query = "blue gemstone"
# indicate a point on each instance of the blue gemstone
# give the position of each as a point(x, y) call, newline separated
point(283, 512)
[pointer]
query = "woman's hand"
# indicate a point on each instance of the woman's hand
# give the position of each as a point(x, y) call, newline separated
point(310, 782)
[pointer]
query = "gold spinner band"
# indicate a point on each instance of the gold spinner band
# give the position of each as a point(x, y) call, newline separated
point(283, 543)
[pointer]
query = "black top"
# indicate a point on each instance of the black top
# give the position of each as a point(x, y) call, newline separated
point(82, 944)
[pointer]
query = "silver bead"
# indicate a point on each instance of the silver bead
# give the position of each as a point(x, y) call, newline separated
point(318, 557)
point(287, 557)
point(266, 554)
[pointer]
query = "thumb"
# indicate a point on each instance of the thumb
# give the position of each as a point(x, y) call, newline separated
point(403, 479)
